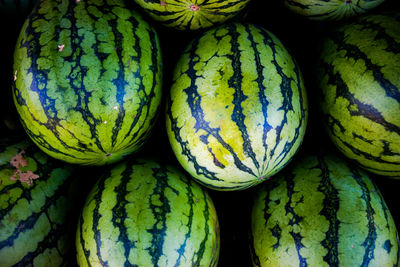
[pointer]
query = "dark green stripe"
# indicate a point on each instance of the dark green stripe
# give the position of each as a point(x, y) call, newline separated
point(120, 82)
point(206, 215)
point(369, 242)
point(390, 226)
point(381, 34)
point(51, 240)
point(262, 90)
point(190, 202)
point(82, 243)
point(76, 78)
point(42, 140)
point(194, 100)
point(119, 214)
point(33, 51)
point(287, 94)
point(44, 171)
point(329, 211)
point(303, 120)
point(147, 101)
point(40, 80)
point(200, 170)
point(364, 154)
point(364, 110)
point(235, 82)
point(354, 52)
point(159, 213)
point(270, 187)
point(96, 217)
point(295, 219)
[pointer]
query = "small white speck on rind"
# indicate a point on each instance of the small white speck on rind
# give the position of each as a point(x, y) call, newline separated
point(60, 47)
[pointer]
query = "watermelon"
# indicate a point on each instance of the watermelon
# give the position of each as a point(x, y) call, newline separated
point(87, 80)
point(359, 79)
point(237, 109)
point(331, 9)
point(38, 198)
point(322, 211)
point(145, 213)
point(192, 14)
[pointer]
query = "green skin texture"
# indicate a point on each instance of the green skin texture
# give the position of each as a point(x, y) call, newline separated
point(321, 211)
point(192, 14)
point(87, 85)
point(359, 76)
point(331, 9)
point(34, 219)
point(143, 213)
point(237, 110)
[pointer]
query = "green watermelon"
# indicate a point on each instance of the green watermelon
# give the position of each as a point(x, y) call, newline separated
point(143, 213)
point(192, 14)
point(237, 110)
point(330, 9)
point(38, 198)
point(87, 80)
point(359, 79)
point(322, 211)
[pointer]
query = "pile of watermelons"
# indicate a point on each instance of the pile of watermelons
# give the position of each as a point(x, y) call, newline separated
point(199, 133)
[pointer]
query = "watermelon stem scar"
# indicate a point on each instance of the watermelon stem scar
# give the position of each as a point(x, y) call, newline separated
point(194, 7)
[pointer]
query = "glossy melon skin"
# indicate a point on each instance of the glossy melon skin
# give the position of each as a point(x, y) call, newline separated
point(87, 80)
point(192, 14)
point(331, 9)
point(359, 77)
point(322, 211)
point(237, 110)
point(145, 213)
point(38, 202)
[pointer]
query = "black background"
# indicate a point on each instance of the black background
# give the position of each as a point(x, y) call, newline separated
point(300, 36)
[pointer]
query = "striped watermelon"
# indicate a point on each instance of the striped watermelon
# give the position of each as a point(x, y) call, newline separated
point(330, 9)
point(237, 110)
point(359, 75)
point(143, 213)
point(37, 197)
point(322, 211)
point(87, 79)
point(192, 14)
